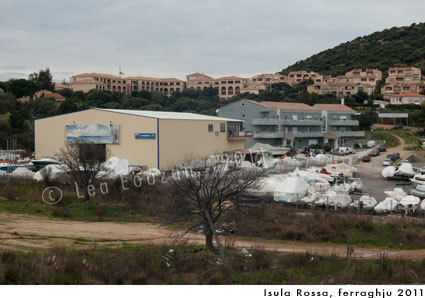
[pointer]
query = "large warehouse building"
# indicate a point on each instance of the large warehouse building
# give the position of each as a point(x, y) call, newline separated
point(148, 138)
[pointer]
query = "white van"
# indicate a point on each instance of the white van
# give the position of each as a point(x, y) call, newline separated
point(345, 150)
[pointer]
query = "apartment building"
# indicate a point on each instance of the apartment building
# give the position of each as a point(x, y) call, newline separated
point(296, 77)
point(403, 80)
point(403, 75)
point(230, 86)
point(294, 124)
point(198, 81)
point(406, 98)
point(339, 127)
point(89, 81)
point(269, 78)
point(164, 86)
point(349, 84)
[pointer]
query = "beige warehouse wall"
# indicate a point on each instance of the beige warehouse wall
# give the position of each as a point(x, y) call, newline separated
point(181, 139)
point(50, 134)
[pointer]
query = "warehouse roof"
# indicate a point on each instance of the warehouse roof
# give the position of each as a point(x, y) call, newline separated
point(168, 115)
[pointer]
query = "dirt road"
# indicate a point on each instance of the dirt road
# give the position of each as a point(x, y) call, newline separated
point(28, 233)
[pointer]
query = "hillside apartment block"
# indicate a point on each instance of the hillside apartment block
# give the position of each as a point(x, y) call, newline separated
point(349, 84)
point(295, 125)
point(403, 80)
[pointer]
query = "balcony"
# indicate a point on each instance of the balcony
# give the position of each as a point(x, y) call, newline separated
point(266, 121)
point(356, 134)
point(279, 134)
point(239, 135)
point(277, 121)
point(306, 134)
point(268, 135)
point(302, 122)
point(343, 122)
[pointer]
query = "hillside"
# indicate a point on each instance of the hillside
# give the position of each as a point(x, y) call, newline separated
point(398, 46)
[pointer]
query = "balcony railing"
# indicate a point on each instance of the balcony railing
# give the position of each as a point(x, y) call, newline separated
point(343, 122)
point(277, 121)
point(239, 135)
point(279, 134)
point(302, 122)
point(268, 134)
point(306, 134)
point(349, 133)
point(267, 121)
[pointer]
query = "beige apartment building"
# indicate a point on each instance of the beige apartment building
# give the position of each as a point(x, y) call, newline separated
point(147, 138)
point(403, 80)
point(164, 86)
point(230, 86)
point(349, 84)
point(198, 81)
point(269, 78)
point(296, 77)
point(406, 98)
point(89, 81)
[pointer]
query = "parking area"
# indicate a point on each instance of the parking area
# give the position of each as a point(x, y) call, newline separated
point(373, 182)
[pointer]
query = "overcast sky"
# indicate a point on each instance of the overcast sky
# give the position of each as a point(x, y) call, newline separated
point(173, 38)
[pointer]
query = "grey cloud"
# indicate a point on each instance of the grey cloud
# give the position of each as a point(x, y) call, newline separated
point(173, 38)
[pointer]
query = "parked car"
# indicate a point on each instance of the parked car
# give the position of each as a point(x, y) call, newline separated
point(382, 148)
point(387, 162)
point(397, 155)
point(404, 161)
point(319, 151)
point(374, 152)
point(392, 157)
point(366, 158)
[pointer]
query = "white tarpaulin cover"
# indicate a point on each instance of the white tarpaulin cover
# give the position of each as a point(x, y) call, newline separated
point(388, 172)
point(368, 202)
point(397, 193)
point(422, 206)
point(406, 169)
point(387, 205)
point(288, 189)
point(22, 172)
point(114, 167)
point(410, 200)
point(54, 171)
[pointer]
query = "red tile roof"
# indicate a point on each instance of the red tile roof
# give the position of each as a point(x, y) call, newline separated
point(290, 106)
point(407, 94)
point(335, 108)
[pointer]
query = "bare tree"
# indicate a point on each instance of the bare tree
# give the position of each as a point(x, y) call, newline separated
point(210, 189)
point(84, 162)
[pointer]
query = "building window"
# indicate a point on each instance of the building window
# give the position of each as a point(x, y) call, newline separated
point(222, 127)
point(210, 127)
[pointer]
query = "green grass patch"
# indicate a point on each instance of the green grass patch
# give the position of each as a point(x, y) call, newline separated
point(383, 135)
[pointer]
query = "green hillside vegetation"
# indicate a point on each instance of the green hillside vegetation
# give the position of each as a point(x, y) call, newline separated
point(398, 46)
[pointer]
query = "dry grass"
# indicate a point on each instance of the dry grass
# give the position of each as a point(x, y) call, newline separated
point(192, 265)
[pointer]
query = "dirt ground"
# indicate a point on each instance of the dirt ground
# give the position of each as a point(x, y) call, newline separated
point(29, 233)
